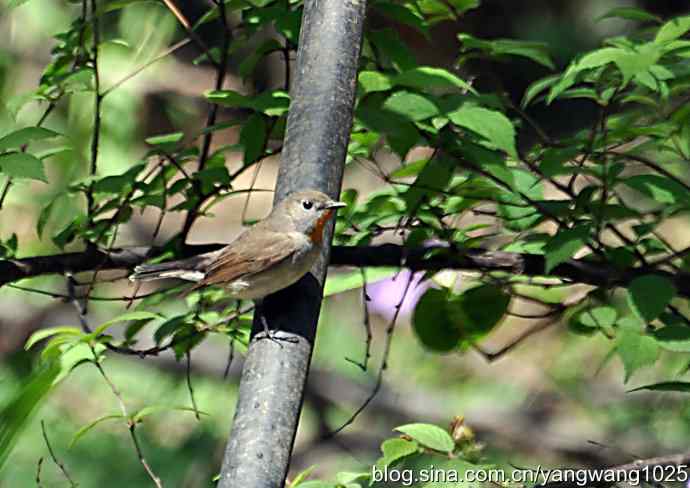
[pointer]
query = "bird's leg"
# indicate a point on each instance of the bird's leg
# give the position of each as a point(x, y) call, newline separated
point(267, 331)
point(259, 309)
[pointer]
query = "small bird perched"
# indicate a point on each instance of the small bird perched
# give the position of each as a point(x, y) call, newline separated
point(270, 256)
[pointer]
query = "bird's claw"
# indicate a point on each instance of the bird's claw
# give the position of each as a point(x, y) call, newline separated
point(272, 335)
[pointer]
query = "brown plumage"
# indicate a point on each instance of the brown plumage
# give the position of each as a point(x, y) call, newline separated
point(267, 257)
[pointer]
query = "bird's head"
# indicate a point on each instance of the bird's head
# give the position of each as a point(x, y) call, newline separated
point(307, 212)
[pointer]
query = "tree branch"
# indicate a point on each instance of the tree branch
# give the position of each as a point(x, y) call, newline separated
point(597, 477)
point(393, 255)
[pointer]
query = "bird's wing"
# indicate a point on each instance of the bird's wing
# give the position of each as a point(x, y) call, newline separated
point(250, 253)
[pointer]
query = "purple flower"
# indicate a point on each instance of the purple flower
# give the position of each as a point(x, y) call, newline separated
point(386, 294)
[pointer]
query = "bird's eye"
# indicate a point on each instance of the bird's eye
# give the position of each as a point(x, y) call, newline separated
point(307, 204)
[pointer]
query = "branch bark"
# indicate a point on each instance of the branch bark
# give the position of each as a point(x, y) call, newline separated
point(313, 157)
point(417, 259)
point(634, 473)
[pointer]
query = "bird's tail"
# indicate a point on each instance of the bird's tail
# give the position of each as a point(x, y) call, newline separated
point(186, 269)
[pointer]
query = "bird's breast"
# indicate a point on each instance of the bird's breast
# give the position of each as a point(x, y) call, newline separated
point(317, 234)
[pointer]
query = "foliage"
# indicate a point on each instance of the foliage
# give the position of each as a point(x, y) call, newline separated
point(476, 171)
point(425, 454)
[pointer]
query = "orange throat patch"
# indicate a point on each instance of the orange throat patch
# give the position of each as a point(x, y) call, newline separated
point(316, 235)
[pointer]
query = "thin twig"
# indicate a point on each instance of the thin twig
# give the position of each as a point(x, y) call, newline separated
point(384, 361)
point(255, 176)
point(366, 321)
point(190, 388)
point(495, 355)
point(116, 392)
point(193, 213)
point(130, 423)
point(135, 440)
point(79, 305)
point(145, 65)
point(39, 464)
point(64, 296)
point(190, 30)
point(5, 191)
point(57, 462)
point(600, 122)
point(98, 99)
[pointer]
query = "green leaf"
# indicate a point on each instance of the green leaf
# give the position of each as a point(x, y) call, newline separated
point(403, 14)
point(388, 42)
point(54, 210)
point(18, 138)
point(462, 6)
point(628, 61)
point(536, 51)
point(301, 476)
point(411, 105)
point(673, 29)
point(493, 126)
point(445, 9)
point(153, 409)
point(342, 282)
point(515, 213)
point(434, 177)
point(400, 132)
point(253, 138)
point(425, 77)
point(630, 13)
point(317, 484)
point(679, 386)
point(164, 139)
point(229, 98)
point(410, 169)
point(599, 317)
point(42, 334)
point(478, 310)
point(395, 449)
point(348, 479)
point(85, 429)
point(553, 161)
point(272, 103)
point(126, 317)
point(649, 295)
point(537, 87)
point(636, 351)
point(247, 66)
point(432, 324)
point(659, 188)
point(429, 435)
point(19, 407)
point(374, 81)
point(169, 327)
point(564, 245)
point(116, 184)
point(22, 165)
point(674, 338)
point(288, 23)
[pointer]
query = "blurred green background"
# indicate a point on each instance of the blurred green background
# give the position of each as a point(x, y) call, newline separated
point(557, 399)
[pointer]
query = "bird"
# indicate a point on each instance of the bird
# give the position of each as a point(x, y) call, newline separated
point(267, 257)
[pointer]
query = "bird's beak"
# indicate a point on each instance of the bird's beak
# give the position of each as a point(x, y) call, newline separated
point(334, 204)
